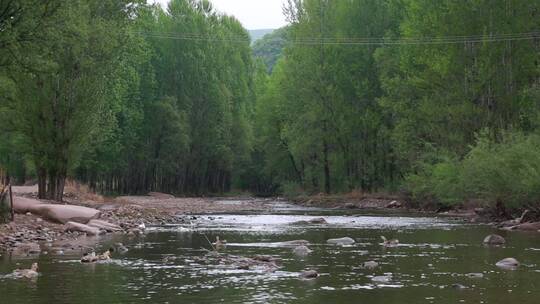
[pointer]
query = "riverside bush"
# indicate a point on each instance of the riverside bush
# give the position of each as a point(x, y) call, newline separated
point(505, 172)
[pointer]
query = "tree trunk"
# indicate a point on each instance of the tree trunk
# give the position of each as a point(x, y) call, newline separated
point(327, 188)
point(42, 183)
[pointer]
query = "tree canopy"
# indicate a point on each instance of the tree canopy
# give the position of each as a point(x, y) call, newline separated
point(361, 95)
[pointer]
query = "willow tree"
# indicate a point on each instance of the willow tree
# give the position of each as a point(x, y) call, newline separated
point(61, 102)
point(331, 125)
point(442, 94)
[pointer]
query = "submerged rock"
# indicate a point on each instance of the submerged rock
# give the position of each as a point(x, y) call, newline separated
point(475, 275)
point(508, 263)
point(121, 248)
point(319, 220)
point(459, 286)
point(341, 241)
point(382, 279)
point(309, 274)
point(370, 265)
point(494, 239)
point(302, 251)
point(315, 221)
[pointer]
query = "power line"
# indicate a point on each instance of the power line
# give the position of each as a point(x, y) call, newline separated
point(351, 40)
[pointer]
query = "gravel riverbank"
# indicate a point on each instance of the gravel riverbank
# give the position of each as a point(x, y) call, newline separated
point(30, 234)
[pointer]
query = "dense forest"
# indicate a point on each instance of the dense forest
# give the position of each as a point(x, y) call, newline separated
point(439, 100)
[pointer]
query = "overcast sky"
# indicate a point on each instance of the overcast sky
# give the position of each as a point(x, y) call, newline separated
point(254, 14)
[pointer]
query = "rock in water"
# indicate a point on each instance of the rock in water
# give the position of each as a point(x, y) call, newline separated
point(382, 279)
point(302, 251)
point(319, 220)
point(121, 248)
point(475, 275)
point(309, 274)
point(459, 286)
point(494, 239)
point(370, 265)
point(315, 221)
point(508, 263)
point(341, 241)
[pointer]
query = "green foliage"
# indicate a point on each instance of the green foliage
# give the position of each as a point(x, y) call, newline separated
point(439, 182)
point(132, 98)
point(270, 47)
point(506, 172)
point(184, 108)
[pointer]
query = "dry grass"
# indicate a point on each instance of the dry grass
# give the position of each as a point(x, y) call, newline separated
point(82, 191)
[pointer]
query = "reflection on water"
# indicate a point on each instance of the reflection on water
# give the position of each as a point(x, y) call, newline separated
point(437, 261)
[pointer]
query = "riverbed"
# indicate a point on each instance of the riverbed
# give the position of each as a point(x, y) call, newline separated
point(438, 260)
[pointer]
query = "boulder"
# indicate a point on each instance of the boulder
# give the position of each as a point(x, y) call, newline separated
point(494, 239)
point(104, 225)
point(508, 263)
point(341, 241)
point(350, 206)
point(74, 226)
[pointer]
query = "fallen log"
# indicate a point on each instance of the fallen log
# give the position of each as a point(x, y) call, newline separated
point(53, 212)
point(104, 225)
point(78, 227)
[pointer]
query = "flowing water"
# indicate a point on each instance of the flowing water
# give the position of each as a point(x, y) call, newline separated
point(437, 261)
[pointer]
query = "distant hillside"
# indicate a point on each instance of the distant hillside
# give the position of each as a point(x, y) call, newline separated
point(270, 47)
point(258, 34)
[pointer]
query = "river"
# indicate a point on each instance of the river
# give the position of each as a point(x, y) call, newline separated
point(438, 260)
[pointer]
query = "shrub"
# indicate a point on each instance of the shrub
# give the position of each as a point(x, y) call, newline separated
point(506, 172)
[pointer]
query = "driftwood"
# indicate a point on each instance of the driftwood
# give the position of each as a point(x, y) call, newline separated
point(74, 226)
